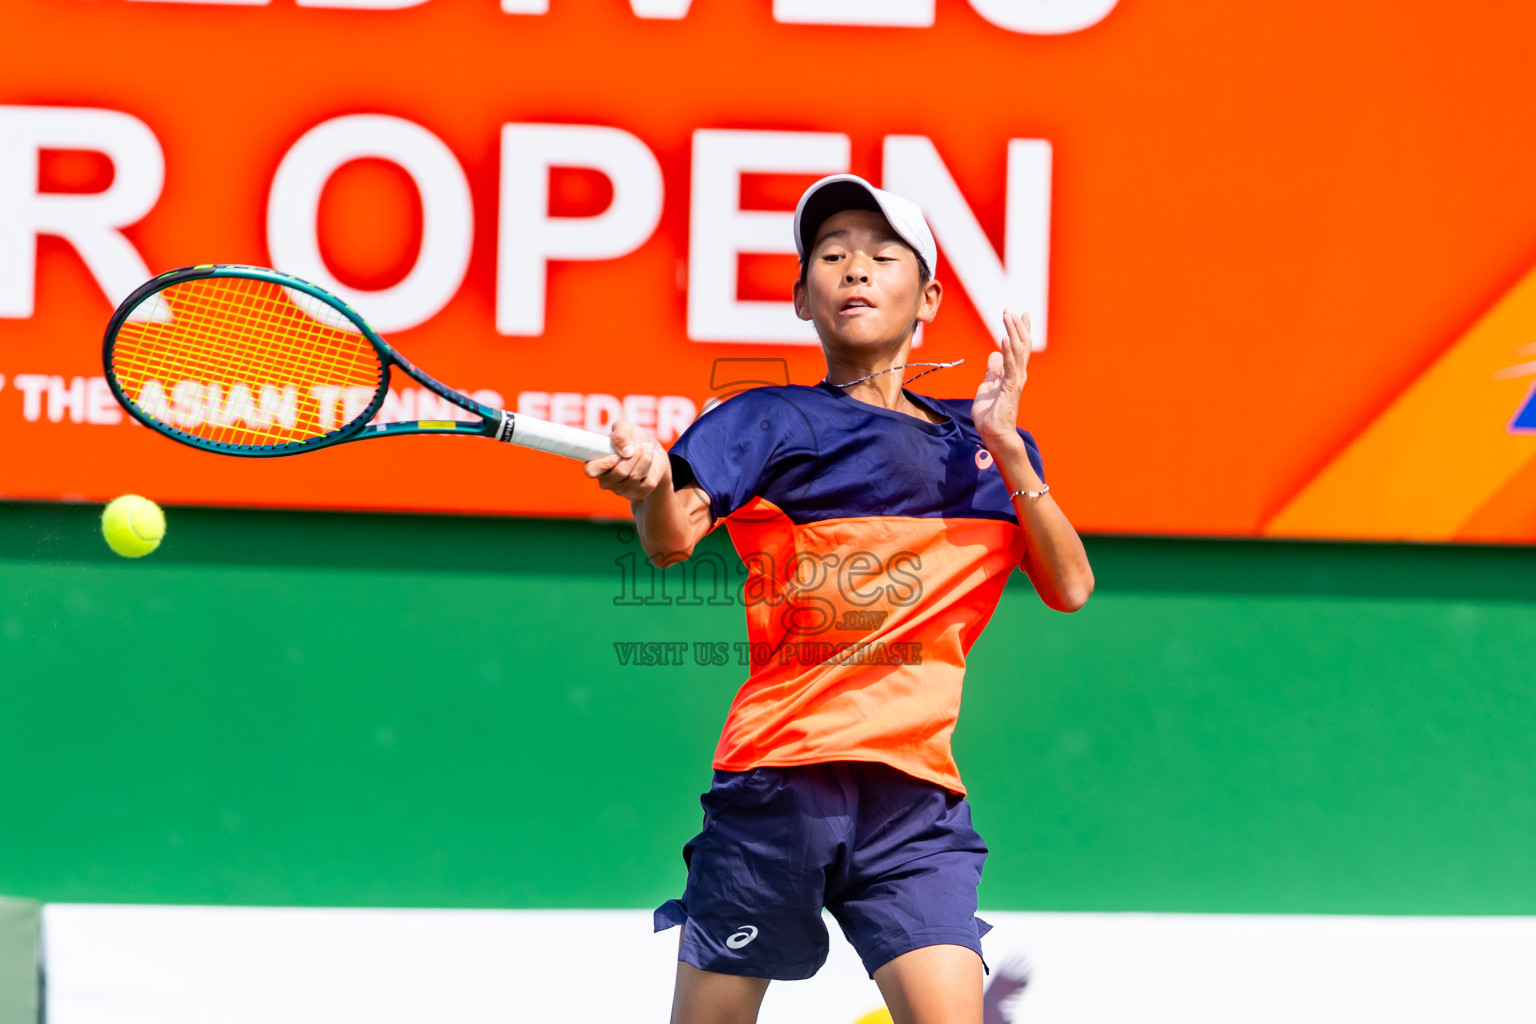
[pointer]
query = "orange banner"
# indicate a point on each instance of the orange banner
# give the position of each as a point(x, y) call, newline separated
point(1279, 252)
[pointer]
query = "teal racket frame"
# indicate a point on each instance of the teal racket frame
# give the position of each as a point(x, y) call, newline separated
point(494, 423)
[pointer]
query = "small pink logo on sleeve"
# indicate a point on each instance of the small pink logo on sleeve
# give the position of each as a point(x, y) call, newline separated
point(983, 459)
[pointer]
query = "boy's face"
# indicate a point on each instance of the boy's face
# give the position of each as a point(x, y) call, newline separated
point(862, 284)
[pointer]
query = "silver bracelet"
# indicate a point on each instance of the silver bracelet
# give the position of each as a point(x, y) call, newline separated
point(1030, 494)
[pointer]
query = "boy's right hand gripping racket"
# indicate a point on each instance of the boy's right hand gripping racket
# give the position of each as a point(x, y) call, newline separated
point(248, 361)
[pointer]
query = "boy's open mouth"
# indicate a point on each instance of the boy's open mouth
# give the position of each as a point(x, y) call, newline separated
point(855, 304)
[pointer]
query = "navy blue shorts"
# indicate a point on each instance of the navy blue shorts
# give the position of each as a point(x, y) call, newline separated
point(895, 860)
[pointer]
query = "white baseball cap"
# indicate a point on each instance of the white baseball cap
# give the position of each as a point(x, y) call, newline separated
point(839, 192)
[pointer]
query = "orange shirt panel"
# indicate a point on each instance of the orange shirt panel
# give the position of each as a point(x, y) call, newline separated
point(860, 629)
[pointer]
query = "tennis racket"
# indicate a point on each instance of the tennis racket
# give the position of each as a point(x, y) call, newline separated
point(249, 361)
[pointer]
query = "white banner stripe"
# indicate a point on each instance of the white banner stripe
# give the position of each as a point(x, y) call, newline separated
point(231, 965)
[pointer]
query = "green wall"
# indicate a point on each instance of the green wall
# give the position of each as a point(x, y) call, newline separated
point(328, 709)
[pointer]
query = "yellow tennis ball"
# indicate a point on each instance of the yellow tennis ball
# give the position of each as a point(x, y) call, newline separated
point(133, 526)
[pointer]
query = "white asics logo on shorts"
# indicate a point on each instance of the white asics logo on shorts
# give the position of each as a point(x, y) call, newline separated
point(741, 938)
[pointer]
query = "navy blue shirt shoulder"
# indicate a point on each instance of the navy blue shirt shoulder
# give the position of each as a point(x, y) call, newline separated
point(818, 453)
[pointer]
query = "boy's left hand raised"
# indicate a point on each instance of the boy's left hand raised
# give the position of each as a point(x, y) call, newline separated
point(996, 408)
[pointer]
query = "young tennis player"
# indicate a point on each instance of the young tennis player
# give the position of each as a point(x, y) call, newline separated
point(878, 527)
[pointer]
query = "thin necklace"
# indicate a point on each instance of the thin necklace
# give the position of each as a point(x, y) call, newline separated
point(903, 366)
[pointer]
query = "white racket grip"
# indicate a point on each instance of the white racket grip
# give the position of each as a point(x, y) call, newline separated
point(555, 438)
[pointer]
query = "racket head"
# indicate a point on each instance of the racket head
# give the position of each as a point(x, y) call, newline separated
point(245, 361)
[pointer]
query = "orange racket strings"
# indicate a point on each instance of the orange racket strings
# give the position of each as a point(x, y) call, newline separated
point(240, 361)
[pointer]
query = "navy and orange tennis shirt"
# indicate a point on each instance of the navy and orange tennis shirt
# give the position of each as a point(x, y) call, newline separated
point(876, 546)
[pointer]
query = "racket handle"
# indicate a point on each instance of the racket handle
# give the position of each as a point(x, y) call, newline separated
point(555, 438)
